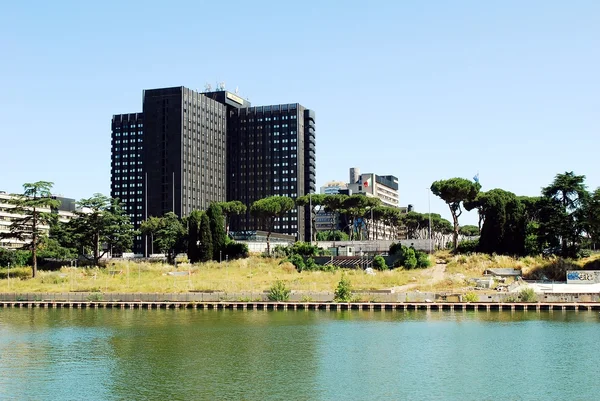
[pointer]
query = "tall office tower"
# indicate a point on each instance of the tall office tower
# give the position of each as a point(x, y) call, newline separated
point(271, 151)
point(184, 156)
point(127, 177)
point(189, 149)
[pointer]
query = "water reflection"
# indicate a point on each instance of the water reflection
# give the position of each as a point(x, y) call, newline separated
point(195, 354)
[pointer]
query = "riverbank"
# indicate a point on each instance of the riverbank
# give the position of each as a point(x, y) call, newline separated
point(449, 274)
point(326, 306)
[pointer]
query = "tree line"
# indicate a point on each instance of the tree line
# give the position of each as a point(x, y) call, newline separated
point(563, 220)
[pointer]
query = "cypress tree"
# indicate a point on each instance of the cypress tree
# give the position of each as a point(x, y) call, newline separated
point(217, 229)
point(193, 236)
point(205, 237)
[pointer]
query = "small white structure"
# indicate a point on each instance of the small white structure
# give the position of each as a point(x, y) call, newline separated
point(583, 276)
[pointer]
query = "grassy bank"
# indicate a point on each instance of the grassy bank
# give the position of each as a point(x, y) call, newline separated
point(258, 274)
point(253, 274)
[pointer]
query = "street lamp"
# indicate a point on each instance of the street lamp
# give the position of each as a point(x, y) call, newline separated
point(429, 205)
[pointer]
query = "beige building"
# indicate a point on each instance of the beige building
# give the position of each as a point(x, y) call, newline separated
point(64, 212)
point(384, 187)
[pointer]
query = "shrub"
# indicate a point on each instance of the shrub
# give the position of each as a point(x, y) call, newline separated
point(298, 262)
point(423, 260)
point(236, 250)
point(379, 263)
point(304, 249)
point(467, 247)
point(14, 257)
point(528, 295)
point(279, 292)
point(410, 259)
point(471, 297)
point(343, 292)
point(311, 265)
point(94, 297)
point(17, 272)
point(53, 278)
point(306, 298)
point(335, 235)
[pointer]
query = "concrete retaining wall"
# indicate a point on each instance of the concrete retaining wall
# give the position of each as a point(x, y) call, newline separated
point(366, 296)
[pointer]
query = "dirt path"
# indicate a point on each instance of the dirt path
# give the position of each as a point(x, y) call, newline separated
point(436, 274)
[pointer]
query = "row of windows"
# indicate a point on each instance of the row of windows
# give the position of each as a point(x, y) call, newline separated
point(126, 148)
point(118, 141)
point(132, 185)
point(125, 171)
point(125, 126)
point(133, 133)
point(125, 178)
point(125, 156)
point(126, 163)
point(286, 227)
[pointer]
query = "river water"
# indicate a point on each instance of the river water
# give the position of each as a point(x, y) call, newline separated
point(74, 354)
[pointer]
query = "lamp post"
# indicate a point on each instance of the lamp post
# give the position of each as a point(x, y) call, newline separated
point(310, 215)
point(429, 206)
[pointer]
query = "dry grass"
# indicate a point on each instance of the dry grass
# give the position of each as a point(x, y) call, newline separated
point(258, 274)
point(253, 274)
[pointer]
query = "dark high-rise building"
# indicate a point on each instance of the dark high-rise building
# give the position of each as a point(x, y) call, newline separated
point(185, 133)
point(188, 149)
point(271, 151)
point(127, 177)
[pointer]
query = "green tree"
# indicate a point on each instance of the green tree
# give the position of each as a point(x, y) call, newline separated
point(102, 221)
point(379, 263)
point(34, 210)
point(335, 204)
point(343, 292)
point(455, 191)
point(592, 212)
point(169, 236)
point(312, 201)
point(469, 231)
point(231, 208)
point(332, 235)
point(149, 228)
point(194, 235)
point(358, 207)
point(217, 230)
point(563, 214)
point(267, 210)
point(205, 238)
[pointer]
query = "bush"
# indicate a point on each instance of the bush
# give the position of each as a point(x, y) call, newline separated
point(528, 295)
point(236, 250)
point(423, 260)
point(343, 292)
point(298, 262)
point(471, 297)
point(379, 263)
point(304, 249)
point(17, 272)
point(279, 292)
point(335, 235)
point(467, 247)
point(410, 259)
point(14, 257)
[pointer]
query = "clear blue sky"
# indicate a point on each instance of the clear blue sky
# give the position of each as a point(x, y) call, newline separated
point(420, 90)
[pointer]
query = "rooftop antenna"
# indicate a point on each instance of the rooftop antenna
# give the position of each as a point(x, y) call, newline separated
point(221, 86)
point(237, 90)
point(207, 87)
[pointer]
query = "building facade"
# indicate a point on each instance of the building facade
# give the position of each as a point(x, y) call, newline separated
point(333, 187)
point(271, 152)
point(64, 212)
point(191, 149)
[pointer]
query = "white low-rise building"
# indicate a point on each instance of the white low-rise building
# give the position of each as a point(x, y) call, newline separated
point(65, 213)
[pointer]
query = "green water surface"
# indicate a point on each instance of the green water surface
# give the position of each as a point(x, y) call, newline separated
point(108, 354)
